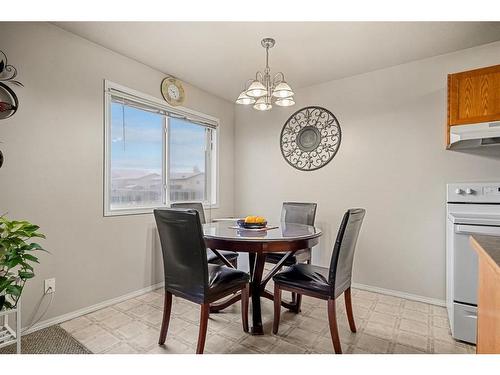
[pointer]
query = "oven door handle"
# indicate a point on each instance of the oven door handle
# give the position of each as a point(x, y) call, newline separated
point(477, 229)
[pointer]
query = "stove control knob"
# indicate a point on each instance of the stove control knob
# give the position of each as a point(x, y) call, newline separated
point(459, 191)
point(469, 191)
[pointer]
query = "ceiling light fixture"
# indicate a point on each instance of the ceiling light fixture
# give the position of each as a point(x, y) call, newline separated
point(263, 89)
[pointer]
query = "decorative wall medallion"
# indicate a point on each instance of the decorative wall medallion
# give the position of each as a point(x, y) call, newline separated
point(310, 138)
point(8, 99)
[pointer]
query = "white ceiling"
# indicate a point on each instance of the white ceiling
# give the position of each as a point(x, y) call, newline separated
point(220, 56)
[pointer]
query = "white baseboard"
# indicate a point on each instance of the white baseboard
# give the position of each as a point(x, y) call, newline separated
point(397, 293)
point(89, 309)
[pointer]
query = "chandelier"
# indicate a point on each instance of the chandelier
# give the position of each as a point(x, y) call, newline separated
point(263, 91)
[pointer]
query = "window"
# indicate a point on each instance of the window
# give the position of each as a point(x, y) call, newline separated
point(156, 155)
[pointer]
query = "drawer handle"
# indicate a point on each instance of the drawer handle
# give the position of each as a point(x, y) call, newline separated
point(471, 316)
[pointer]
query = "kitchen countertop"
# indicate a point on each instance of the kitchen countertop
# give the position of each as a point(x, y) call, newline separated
point(490, 245)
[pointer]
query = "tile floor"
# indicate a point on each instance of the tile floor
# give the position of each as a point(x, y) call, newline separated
point(385, 324)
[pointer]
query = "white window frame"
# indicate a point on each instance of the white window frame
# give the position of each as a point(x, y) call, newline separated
point(112, 89)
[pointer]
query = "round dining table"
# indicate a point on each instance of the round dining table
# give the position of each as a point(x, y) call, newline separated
point(282, 237)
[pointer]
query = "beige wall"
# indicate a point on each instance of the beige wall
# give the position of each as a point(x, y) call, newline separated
point(391, 161)
point(53, 170)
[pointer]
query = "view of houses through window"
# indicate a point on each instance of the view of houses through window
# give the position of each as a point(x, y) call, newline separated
point(149, 165)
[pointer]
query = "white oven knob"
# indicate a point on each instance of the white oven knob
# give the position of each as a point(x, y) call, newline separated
point(459, 191)
point(469, 191)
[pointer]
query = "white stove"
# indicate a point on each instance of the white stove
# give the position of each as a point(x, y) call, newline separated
point(471, 208)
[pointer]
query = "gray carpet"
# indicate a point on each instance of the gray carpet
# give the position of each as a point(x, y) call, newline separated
point(50, 340)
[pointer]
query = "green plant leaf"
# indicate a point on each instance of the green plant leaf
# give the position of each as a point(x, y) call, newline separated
point(31, 258)
point(14, 290)
point(26, 275)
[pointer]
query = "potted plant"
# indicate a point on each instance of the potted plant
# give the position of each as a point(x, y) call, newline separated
point(16, 258)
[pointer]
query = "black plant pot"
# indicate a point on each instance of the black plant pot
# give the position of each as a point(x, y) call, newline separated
point(2, 301)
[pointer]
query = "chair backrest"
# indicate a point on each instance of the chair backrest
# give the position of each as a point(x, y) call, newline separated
point(343, 251)
point(198, 206)
point(298, 213)
point(184, 252)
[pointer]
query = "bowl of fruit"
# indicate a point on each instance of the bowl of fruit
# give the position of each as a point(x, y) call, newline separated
point(252, 222)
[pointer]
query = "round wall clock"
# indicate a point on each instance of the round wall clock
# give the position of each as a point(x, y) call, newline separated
point(310, 138)
point(172, 91)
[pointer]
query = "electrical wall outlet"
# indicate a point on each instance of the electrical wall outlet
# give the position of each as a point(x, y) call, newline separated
point(49, 286)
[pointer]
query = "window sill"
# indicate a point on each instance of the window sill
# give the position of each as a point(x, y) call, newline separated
point(147, 211)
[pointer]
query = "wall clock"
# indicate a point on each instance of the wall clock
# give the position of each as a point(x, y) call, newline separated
point(310, 138)
point(172, 91)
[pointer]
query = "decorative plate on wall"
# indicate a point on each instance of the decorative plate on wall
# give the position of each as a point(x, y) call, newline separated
point(310, 138)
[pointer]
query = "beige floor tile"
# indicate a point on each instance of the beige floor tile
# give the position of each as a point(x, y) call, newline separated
point(146, 340)
point(100, 343)
point(233, 331)
point(410, 339)
point(439, 310)
point(372, 344)
point(131, 330)
point(387, 309)
point(76, 324)
point(413, 326)
point(172, 346)
point(360, 312)
point(128, 304)
point(324, 345)
point(308, 323)
point(154, 318)
point(262, 343)
point(102, 314)
point(385, 319)
point(88, 333)
point(176, 326)
point(116, 320)
point(364, 303)
point(415, 315)
point(379, 330)
point(443, 334)
point(390, 300)
point(190, 335)
point(403, 349)
point(148, 297)
point(122, 348)
point(300, 336)
point(417, 306)
point(240, 349)
point(218, 344)
point(366, 295)
point(141, 311)
point(443, 347)
point(283, 347)
point(441, 322)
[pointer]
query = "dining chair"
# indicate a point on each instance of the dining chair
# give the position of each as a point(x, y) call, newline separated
point(231, 256)
point(188, 274)
point(297, 213)
point(325, 283)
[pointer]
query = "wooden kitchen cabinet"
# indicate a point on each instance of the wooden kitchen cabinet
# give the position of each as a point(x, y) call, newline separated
point(473, 97)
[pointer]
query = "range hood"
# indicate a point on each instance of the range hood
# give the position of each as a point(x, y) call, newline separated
point(474, 135)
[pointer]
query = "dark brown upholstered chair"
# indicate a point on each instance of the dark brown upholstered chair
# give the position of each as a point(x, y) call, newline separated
point(297, 213)
point(187, 272)
point(231, 256)
point(325, 283)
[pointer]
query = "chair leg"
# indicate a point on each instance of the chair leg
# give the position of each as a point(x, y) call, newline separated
point(202, 334)
point(167, 308)
point(245, 295)
point(348, 307)
point(332, 320)
point(277, 308)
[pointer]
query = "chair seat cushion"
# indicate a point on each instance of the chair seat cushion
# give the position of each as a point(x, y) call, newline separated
point(305, 276)
point(214, 259)
point(299, 257)
point(221, 278)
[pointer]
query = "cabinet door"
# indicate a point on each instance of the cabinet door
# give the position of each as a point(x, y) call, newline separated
point(474, 96)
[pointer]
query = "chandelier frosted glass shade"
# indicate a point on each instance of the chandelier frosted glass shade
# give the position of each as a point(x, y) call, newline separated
point(285, 102)
point(245, 99)
point(266, 89)
point(256, 90)
point(262, 104)
point(282, 90)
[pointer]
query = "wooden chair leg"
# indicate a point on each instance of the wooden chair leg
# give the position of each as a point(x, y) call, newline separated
point(202, 335)
point(348, 307)
point(277, 308)
point(245, 295)
point(167, 308)
point(332, 320)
